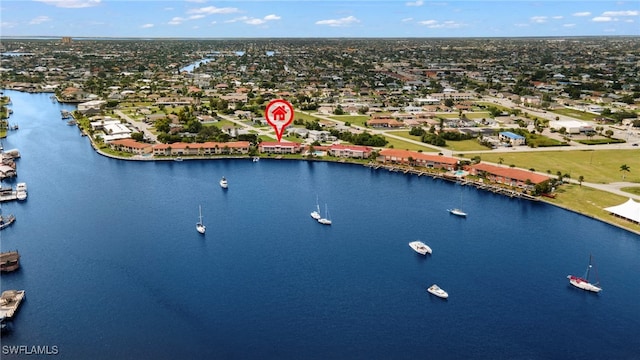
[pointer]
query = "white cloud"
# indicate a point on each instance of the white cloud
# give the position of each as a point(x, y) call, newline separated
point(349, 20)
point(176, 21)
point(254, 21)
point(196, 17)
point(538, 19)
point(241, 18)
point(146, 26)
point(557, 17)
point(407, 19)
point(415, 3)
point(210, 10)
point(272, 17)
point(569, 25)
point(71, 4)
point(602, 19)
point(7, 24)
point(39, 20)
point(582, 13)
point(435, 24)
point(428, 22)
point(621, 13)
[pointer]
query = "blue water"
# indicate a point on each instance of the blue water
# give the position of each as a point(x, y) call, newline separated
point(114, 268)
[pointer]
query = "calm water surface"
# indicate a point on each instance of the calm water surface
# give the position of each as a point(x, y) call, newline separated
point(114, 268)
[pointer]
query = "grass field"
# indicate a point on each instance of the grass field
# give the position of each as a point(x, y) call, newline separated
point(304, 117)
point(602, 166)
point(575, 114)
point(591, 202)
point(359, 120)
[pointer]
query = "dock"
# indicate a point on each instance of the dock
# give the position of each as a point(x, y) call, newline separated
point(435, 174)
point(9, 302)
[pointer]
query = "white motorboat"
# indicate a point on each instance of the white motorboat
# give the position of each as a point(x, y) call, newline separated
point(583, 282)
point(223, 183)
point(437, 291)
point(457, 212)
point(200, 225)
point(420, 247)
point(21, 191)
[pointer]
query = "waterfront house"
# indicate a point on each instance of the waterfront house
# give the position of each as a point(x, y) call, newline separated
point(508, 175)
point(270, 147)
point(131, 146)
point(201, 149)
point(91, 106)
point(414, 158)
point(350, 151)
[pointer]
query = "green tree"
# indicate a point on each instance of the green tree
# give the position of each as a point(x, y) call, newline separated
point(580, 179)
point(624, 168)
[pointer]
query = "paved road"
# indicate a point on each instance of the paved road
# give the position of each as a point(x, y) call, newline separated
point(141, 125)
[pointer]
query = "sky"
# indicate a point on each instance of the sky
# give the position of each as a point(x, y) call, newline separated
point(319, 19)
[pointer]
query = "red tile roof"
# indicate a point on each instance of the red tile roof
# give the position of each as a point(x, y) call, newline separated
point(130, 143)
point(511, 173)
point(405, 154)
point(208, 144)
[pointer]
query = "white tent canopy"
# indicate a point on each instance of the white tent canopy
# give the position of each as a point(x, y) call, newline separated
point(629, 210)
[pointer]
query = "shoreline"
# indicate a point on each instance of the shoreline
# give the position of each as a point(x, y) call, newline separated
point(412, 171)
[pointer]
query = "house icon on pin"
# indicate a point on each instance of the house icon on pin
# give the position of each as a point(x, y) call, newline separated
point(279, 113)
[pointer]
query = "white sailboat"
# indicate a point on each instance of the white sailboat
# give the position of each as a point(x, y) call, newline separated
point(200, 225)
point(458, 211)
point(316, 213)
point(325, 220)
point(583, 282)
point(223, 183)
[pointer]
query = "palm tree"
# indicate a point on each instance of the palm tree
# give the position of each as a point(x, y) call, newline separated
point(624, 167)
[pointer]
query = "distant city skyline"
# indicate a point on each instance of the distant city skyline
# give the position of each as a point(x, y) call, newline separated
point(328, 18)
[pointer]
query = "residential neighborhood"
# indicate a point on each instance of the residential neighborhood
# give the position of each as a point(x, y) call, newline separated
point(414, 102)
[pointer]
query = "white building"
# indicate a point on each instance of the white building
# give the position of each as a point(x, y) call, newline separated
point(572, 126)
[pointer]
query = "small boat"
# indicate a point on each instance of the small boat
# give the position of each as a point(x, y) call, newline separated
point(223, 183)
point(457, 212)
point(583, 282)
point(178, 159)
point(420, 247)
point(200, 225)
point(6, 220)
point(9, 261)
point(315, 214)
point(21, 191)
point(437, 291)
point(10, 302)
point(325, 220)
point(256, 159)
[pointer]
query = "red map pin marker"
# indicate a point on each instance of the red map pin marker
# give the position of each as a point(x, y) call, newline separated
point(279, 114)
